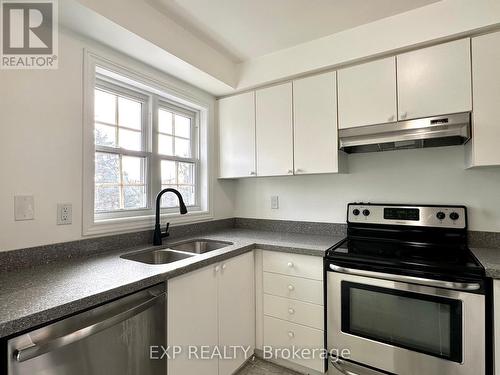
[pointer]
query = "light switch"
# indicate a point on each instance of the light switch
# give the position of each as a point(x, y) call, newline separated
point(275, 202)
point(24, 207)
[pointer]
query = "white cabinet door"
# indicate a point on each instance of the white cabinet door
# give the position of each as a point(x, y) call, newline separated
point(273, 107)
point(237, 136)
point(236, 309)
point(486, 90)
point(435, 80)
point(315, 124)
point(367, 94)
point(193, 320)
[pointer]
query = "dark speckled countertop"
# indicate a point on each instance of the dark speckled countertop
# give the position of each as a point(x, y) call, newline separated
point(30, 297)
point(490, 259)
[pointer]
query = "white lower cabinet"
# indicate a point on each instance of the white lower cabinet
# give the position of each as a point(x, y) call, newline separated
point(236, 309)
point(305, 313)
point(298, 288)
point(281, 334)
point(215, 307)
point(290, 311)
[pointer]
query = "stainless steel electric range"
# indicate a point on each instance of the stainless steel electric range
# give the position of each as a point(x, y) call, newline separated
point(404, 294)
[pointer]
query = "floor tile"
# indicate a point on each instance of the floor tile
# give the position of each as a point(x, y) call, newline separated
point(261, 367)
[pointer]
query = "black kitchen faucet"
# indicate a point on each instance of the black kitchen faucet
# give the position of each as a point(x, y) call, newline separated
point(158, 235)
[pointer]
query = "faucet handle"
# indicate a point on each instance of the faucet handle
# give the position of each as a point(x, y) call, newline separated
point(166, 234)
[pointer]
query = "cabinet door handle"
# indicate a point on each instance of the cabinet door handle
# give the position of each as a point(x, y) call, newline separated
point(298, 170)
point(291, 334)
point(291, 311)
point(403, 115)
point(224, 266)
point(217, 268)
point(252, 173)
point(290, 171)
point(290, 264)
point(291, 287)
point(391, 118)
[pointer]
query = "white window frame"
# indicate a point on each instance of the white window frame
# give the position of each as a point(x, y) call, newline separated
point(101, 71)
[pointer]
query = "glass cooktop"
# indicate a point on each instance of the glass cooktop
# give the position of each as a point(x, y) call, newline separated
point(407, 257)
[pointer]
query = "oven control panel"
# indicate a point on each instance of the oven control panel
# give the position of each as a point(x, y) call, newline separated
point(428, 216)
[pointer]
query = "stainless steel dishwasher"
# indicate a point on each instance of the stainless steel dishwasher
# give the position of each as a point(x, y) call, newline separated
point(113, 339)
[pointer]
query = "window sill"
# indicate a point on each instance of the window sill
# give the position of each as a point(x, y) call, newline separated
point(137, 223)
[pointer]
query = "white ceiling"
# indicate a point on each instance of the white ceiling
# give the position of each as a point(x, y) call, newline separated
point(245, 29)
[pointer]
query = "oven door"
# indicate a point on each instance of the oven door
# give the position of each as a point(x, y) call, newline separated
point(404, 328)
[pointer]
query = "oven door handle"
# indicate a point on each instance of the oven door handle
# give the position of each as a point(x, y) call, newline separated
point(408, 279)
point(348, 368)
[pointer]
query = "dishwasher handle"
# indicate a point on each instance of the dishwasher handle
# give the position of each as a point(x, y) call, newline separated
point(37, 349)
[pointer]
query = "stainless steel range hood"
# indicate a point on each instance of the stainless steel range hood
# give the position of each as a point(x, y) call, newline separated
point(436, 131)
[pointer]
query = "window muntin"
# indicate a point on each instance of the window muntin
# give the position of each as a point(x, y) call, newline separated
point(125, 164)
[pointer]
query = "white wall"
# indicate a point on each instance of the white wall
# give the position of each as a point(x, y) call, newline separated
point(432, 176)
point(41, 145)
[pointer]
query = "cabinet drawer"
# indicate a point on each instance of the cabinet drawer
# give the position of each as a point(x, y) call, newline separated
point(293, 287)
point(291, 310)
point(293, 264)
point(280, 334)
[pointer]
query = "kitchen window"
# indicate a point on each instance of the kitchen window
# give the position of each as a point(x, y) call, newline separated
point(144, 139)
point(121, 156)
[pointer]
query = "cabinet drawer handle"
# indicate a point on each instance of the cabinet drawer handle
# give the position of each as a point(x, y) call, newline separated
point(291, 311)
point(291, 334)
point(290, 264)
point(291, 287)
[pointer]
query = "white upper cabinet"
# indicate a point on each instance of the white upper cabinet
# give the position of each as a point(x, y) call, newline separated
point(273, 108)
point(237, 136)
point(367, 94)
point(315, 124)
point(435, 80)
point(484, 146)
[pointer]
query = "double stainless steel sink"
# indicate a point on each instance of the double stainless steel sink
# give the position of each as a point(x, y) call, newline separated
point(176, 251)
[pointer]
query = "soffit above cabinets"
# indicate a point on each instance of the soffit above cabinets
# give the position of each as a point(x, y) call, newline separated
point(245, 29)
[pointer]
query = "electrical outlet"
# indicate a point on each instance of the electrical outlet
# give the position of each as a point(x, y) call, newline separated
point(275, 202)
point(24, 207)
point(64, 213)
